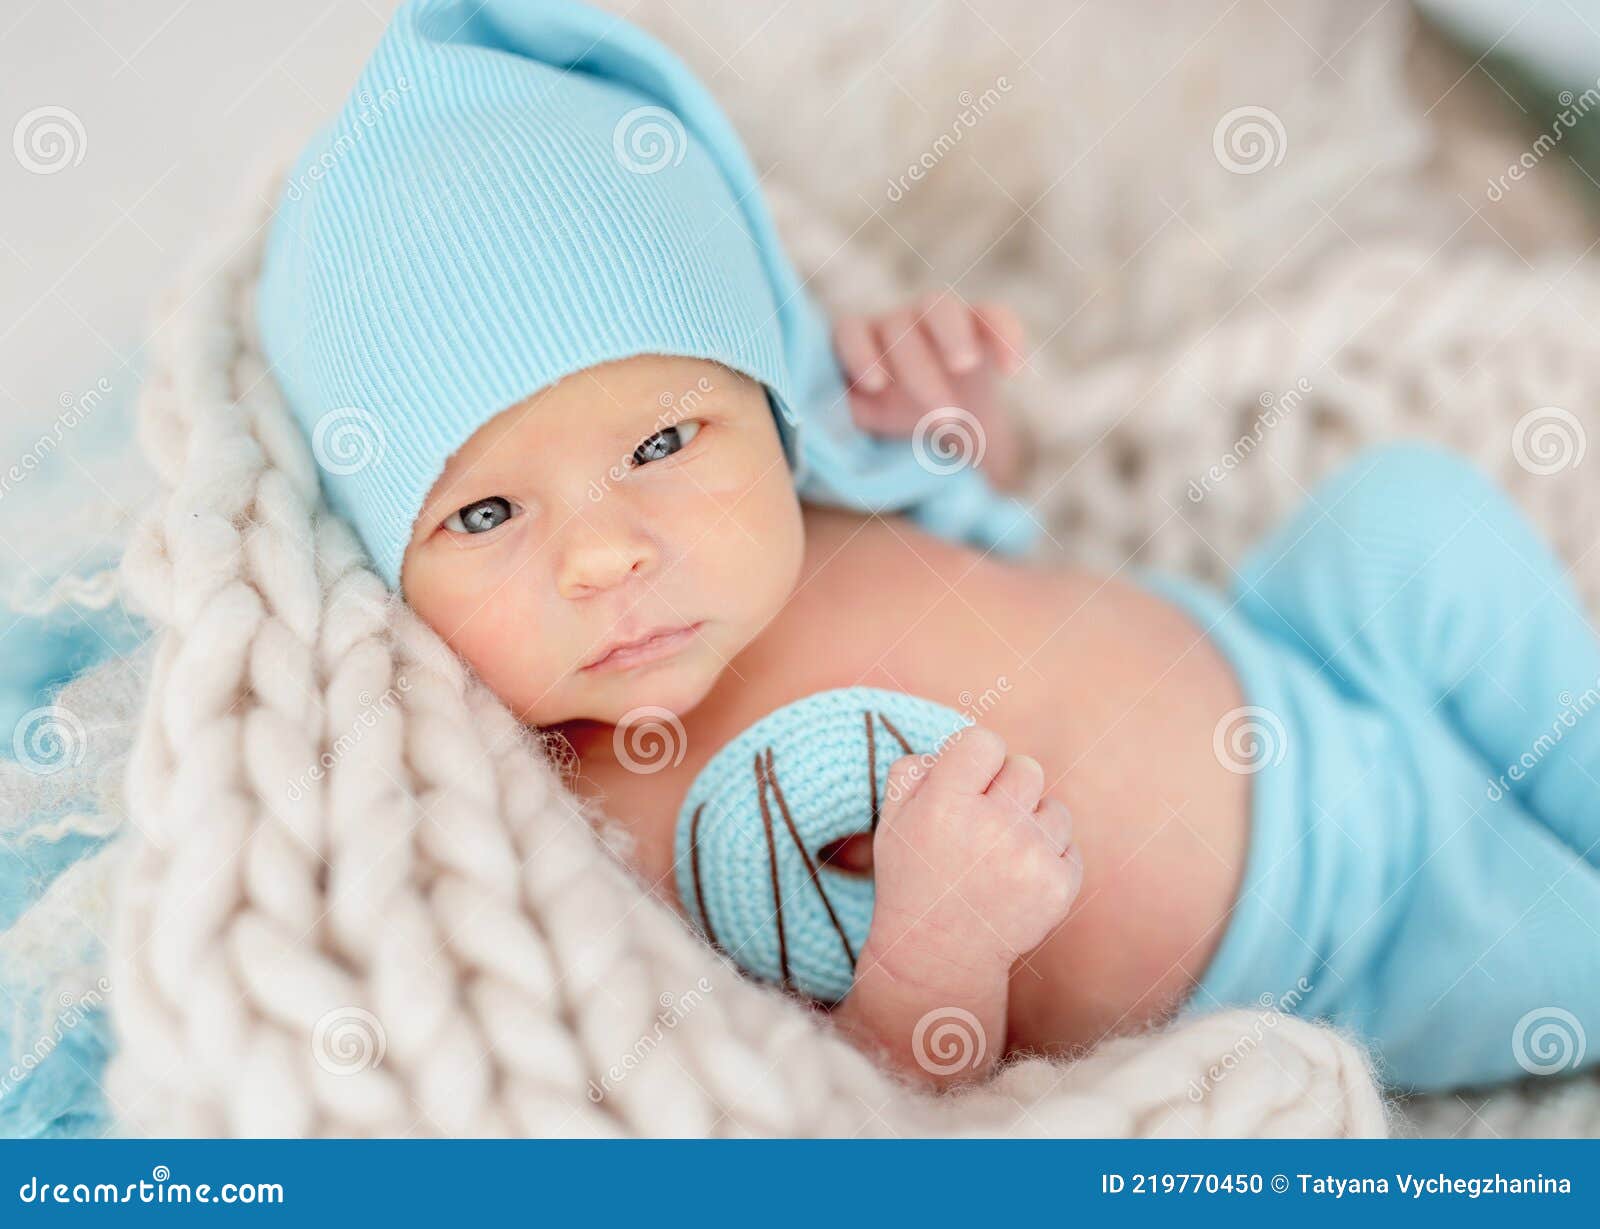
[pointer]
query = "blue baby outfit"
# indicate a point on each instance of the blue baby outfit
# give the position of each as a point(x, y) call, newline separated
point(1426, 845)
point(1424, 864)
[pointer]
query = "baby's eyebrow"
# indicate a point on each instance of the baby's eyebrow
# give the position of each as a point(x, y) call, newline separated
point(495, 469)
point(471, 485)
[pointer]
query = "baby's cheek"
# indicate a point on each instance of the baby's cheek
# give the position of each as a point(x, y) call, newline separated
point(742, 551)
point(508, 646)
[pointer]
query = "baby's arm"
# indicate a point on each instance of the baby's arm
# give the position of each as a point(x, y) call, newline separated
point(972, 869)
point(914, 371)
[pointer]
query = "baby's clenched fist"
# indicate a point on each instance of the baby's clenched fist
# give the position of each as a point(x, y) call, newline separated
point(972, 864)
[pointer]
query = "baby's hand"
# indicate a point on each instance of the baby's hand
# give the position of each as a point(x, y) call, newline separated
point(941, 354)
point(972, 867)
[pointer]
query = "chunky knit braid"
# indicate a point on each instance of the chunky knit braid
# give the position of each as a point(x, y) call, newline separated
point(359, 901)
point(1473, 347)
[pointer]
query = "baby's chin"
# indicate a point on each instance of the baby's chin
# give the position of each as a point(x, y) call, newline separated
point(677, 686)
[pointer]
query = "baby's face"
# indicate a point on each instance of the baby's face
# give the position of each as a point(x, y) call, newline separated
point(612, 542)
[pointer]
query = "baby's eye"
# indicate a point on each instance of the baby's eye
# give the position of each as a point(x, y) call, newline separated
point(480, 517)
point(665, 442)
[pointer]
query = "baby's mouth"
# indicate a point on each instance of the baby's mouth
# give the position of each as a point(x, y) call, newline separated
point(652, 645)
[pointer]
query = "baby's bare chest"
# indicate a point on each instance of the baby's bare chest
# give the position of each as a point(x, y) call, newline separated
point(1111, 690)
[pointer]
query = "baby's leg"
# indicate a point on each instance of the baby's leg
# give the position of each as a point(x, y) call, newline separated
point(1485, 957)
point(1411, 577)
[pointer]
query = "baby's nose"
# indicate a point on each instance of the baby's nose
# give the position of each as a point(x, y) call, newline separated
point(597, 564)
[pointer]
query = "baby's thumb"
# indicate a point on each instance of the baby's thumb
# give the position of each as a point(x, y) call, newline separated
point(906, 776)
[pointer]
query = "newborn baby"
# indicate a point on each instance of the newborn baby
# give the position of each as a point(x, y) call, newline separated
point(1383, 651)
point(702, 586)
point(614, 460)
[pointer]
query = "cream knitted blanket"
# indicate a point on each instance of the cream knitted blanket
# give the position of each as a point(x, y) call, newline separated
point(355, 899)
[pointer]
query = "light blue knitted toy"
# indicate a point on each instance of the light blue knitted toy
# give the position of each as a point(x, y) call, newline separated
point(753, 825)
point(520, 189)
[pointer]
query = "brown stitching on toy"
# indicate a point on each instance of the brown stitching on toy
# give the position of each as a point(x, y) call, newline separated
point(805, 856)
point(772, 862)
point(694, 865)
point(905, 747)
point(872, 769)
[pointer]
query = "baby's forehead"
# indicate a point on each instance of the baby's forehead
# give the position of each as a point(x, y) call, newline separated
point(640, 388)
point(661, 378)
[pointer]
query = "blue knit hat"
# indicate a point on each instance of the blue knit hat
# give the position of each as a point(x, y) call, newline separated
point(520, 189)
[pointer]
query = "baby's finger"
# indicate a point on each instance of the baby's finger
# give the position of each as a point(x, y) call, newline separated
point(1055, 822)
point(885, 414)
point(915, 367)
point(1004, 335)
point(968, 761)
point(1020, 782)
point(906, 776)
point(1073, 856)
point(954, 331)
point(859, 354)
